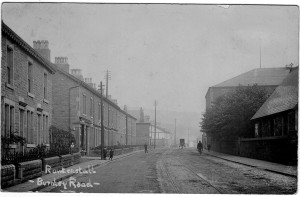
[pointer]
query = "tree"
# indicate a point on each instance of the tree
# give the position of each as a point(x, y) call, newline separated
point(231, 113)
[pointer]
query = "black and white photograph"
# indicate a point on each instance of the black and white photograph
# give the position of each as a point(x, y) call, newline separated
point(121, 98)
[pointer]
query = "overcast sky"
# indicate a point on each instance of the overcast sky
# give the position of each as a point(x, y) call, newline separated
point(171, 53)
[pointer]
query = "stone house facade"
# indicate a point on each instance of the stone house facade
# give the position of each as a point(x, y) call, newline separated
point(26, 91)
point(76, 108)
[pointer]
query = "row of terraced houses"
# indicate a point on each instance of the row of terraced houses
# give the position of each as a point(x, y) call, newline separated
point(37, 94)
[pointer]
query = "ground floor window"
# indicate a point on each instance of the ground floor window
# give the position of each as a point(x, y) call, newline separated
point(22, 123)
point(278, 126)
point(29, 126)
point(39, 129)
point(9, 120)
point(291, 121)
point(45, 127)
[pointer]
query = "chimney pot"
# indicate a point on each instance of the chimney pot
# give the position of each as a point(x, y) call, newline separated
point(38, 44)
point(34, 44)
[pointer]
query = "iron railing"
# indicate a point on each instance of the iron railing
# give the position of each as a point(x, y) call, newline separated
point(18, 157)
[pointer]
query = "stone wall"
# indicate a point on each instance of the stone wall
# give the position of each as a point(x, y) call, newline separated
point(275, 149)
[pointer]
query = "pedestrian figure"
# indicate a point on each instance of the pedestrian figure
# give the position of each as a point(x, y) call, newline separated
point(208, 147)
point(111, 154)
point(199, 147)
point(145, 146)
point(104, 153)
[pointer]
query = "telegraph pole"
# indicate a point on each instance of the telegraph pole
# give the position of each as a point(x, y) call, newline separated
point(188, 137)
point(107, 77)
point(260, 57)
point(102, 127)
point(154, 124)
point(175, 134)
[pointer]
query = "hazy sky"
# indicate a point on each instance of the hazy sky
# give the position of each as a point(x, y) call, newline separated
point(171, 53)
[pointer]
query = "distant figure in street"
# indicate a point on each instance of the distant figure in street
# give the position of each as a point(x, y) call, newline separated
point(104, 153)
point(199, 147)
point(208, 147)
point(145, 146)
point(111, 154)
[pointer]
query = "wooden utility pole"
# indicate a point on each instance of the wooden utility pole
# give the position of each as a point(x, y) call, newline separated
point(107, 77)
point(188, 137)
point(102, 126)
point(155, 124)
point(175, 134)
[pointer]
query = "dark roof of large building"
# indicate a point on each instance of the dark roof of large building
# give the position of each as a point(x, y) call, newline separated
point(284, 97)
point(91, 89)
point(12, 35)
point(259, 76)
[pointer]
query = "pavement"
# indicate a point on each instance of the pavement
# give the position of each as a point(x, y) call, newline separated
point(88, 164)
point(260, 164)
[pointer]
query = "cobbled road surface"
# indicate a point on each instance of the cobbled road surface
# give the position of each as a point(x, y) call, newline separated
point(179, 171)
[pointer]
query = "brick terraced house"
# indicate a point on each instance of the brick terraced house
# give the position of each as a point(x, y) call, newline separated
point(26, 91)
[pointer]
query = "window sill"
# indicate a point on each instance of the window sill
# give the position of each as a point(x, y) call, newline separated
point(46, 101)
point(30, 145)
point(30, 95)
point(12, 146)
point(9, 86)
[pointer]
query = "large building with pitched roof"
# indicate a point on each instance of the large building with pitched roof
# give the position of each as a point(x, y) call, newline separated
point(269, 78)
point(26, 91)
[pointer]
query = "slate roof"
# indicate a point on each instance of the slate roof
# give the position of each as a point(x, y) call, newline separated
point(17, 39)
point(284, 97)
point(85, 85)
point(259, 76)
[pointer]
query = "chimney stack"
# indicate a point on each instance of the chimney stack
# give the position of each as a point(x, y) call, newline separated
point(89, 81)
point(77, 73)
point(115, 101)
point(62, 62)
point(147, 118)
point(141, 115)
point(42, 47)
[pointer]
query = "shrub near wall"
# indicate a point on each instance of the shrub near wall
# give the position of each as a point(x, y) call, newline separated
point(8, 173)
point(29, 170)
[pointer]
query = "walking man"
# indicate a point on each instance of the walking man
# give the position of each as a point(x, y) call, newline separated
point(199, 147)
point(145, 146)
point(111, 154)
point(208, 147)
